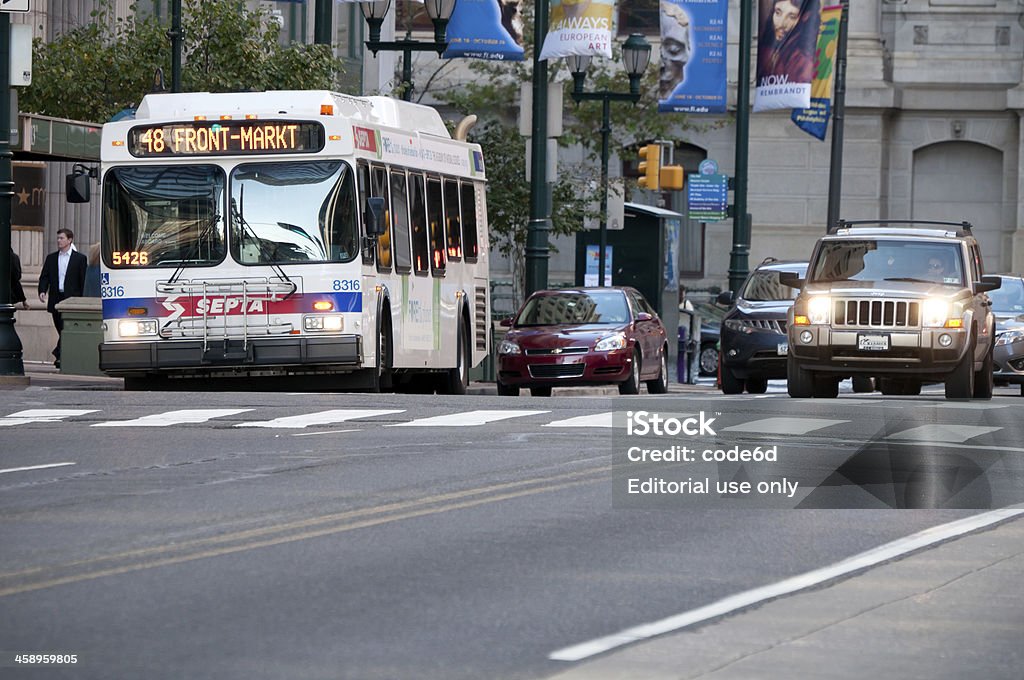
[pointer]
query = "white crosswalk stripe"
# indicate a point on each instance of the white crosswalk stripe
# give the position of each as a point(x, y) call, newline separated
point(937, 432)
point(784, 425)
point(593, 420)
point(468, 419)
point(321, 418)
point(183, 417)
point(42, 415)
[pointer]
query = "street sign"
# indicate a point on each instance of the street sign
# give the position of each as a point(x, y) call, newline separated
point(708, 197)
point(13, 5)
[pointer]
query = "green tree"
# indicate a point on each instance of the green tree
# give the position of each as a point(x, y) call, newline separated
point(94, 71)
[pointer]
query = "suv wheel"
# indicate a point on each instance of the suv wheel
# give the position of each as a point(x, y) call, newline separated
point(826, 387)
point(799, 381)
point(730, 383)
point(708, 361)
point(983, 380)
point(960, 383)
point(863, 384)
point(757, 385)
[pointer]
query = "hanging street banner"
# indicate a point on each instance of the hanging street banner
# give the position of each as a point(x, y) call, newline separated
point(486, 29)
point(814, 120)
point(582, 27)
point(785, 53)
point(693, 46)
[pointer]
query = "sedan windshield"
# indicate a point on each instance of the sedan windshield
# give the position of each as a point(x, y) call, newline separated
point(1008, 298)
point(575, 308)
point(888, 260)
point(293, 212)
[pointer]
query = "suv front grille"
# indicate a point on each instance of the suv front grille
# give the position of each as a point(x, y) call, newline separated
point(877, 313)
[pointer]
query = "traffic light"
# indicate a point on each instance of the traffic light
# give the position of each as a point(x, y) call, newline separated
point(671, 178)
point(650, 167)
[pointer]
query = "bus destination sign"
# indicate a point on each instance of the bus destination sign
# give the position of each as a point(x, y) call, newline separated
point(225, 137)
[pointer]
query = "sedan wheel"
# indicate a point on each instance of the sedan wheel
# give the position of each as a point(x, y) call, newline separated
point(632, 384)
point(660, 384)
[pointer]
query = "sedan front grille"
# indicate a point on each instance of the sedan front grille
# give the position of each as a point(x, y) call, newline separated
point(557, 370)
point(877, 313)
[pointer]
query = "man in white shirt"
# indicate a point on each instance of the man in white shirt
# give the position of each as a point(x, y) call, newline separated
point(63, 276)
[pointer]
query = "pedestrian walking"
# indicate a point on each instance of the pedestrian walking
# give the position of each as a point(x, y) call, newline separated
point(63, 276)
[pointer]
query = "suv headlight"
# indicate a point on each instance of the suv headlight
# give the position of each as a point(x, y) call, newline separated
point(818, 309)
point(617, 341)
point(1009, 337)
point(739, 326)
point(509, 347)
point(934, 313)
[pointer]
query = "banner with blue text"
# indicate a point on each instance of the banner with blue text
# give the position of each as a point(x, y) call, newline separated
point(692, 76)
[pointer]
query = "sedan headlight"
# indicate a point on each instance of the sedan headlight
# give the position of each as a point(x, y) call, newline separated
point(612, 342)
point(132, 328)
point(1009, 337)
point(818, 309)
point(509, 347)
point(934, 313)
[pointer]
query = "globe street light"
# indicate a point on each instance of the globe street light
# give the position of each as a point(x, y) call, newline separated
point(636, 55)
point(439, 11)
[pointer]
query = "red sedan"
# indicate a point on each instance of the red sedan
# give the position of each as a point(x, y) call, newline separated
point(586, 336)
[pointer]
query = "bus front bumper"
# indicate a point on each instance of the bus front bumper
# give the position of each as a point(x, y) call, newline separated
point(132, 358)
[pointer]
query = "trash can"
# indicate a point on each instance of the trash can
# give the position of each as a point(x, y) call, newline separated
point(83, 333)
point(681, 358)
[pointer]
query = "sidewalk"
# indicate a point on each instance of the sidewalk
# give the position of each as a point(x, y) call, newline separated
point(952, 611)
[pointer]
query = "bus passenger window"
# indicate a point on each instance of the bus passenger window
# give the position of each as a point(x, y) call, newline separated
point(379, 188)
point(469, 238)
point(435, 218)
point(453, 224)
point(418, 222)
point(400, 223)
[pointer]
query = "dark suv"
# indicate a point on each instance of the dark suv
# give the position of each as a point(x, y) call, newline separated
point(753, 340)
point(905, 302)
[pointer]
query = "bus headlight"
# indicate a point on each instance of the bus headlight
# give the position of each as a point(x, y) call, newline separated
point(323, 322)
point(817, 309)
point(934, 313)
point(133, 328)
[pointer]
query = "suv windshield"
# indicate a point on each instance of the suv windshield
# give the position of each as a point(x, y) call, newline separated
point(574, 308)
point(293, 212)
point(888, 260)
point(159, 216)
point(763, 286)
point(1008, 298)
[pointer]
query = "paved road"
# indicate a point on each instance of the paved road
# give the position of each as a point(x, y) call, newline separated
point(396, 536)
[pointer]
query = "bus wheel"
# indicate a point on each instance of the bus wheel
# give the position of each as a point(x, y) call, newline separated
point(458, 377)
point(382, 379)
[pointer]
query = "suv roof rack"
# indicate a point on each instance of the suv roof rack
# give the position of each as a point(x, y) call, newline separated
point(963, 228)
point(769, 260)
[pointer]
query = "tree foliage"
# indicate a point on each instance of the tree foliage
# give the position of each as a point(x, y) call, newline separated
point(94, 71)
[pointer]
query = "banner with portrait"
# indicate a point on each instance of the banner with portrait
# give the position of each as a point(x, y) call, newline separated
point(486, 29)
point(786, 43)
point(692, 71)
point(814, 120)
point(582, 27)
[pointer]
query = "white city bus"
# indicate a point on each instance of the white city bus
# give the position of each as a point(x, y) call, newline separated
point(293, 233)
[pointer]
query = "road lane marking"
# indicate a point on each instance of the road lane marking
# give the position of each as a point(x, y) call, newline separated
point(593, 420)
point(794, 426)
point(468, 419)
point(42, 415)
point(938, 432)
point(974, 405)
point(747, 598)
point(312, 527)
point(321, 418)
point(313, 434)
point(36, 467)
point(183, 417)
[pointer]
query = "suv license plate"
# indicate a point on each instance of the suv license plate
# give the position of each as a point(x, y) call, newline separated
point(873, 343)
point(782, 349)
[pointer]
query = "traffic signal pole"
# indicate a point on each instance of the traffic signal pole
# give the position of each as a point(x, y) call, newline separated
point(11, 363)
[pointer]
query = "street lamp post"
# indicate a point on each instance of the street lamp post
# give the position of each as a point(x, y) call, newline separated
point(439, 11)
point(636, 55)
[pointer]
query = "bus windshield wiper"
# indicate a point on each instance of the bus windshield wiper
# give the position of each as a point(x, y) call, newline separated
point(236, 214)
point(200, 237)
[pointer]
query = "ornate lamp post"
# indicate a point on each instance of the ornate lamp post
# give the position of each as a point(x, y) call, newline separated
point(636, 55)
point(439, 11)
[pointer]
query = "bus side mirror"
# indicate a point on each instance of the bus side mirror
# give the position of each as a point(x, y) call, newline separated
point(77, 187)
point(790, 279)
point(374, 216)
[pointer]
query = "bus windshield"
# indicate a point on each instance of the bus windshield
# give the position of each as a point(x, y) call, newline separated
point(293, 212)
point(163, 216)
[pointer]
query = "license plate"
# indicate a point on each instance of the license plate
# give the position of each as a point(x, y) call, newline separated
point(783, 349)
point(873, 343)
